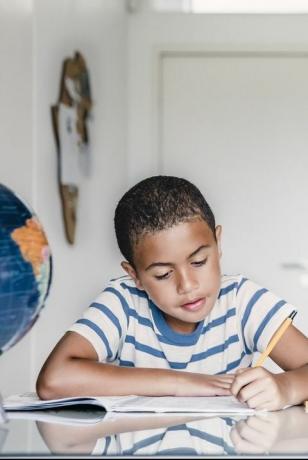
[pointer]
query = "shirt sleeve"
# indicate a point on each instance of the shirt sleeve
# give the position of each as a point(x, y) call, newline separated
point(260, 314)
point(104, 323)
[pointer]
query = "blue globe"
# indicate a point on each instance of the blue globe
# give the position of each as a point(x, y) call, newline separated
point(25, 268)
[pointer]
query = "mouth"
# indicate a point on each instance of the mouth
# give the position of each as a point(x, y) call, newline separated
point(194, 304)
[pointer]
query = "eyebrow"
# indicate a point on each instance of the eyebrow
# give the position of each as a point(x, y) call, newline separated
point(163, 264)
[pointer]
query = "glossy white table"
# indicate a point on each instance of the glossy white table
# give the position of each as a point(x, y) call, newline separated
point(283, 433)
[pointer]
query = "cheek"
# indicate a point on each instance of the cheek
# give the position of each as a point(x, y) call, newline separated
point(160, 292)
point(216, 277)
point(215, 268)
point(211, 277)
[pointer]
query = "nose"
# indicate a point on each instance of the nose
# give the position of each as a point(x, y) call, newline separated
point(186, 282)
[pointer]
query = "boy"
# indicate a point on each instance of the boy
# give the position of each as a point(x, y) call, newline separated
point(174, 325)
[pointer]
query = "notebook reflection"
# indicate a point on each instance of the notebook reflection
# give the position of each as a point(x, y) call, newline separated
point(276, 432)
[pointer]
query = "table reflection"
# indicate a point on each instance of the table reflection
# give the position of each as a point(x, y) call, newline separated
point(283, 432)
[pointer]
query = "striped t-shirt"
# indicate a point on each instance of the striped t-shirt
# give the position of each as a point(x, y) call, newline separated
point(126, 328)
point(208, 436)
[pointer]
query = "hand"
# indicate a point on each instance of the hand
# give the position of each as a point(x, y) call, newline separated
point(193, 384)
point(261, 389)
point(258, 433)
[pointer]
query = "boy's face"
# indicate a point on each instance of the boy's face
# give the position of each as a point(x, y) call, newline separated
point(180, 271)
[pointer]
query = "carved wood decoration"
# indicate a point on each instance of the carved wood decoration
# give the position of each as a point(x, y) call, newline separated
point(69, 118)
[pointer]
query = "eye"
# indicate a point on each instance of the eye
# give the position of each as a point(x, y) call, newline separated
point(199, 263)
point(162, 277)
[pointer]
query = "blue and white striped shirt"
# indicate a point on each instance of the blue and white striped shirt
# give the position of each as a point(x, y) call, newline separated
point(191, 437)
point(126, 328)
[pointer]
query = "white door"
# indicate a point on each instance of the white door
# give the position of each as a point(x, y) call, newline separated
point(236, 125)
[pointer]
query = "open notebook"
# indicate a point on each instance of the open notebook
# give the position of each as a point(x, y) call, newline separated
point(88, 415)
point(172, 404)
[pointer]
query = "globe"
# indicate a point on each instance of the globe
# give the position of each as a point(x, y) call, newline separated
point(25, 268)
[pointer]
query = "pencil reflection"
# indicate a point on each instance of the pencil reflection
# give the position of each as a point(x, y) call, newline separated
point(276, 432)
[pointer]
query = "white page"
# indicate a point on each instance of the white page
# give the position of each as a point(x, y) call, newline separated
point(132, 403)
point(213, 404)
point(30, 401)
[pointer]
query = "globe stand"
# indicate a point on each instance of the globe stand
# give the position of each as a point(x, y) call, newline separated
point(3, 417)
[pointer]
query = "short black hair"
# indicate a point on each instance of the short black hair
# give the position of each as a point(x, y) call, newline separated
point(155, 204)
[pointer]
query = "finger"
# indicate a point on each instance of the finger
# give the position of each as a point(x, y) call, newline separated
point(222, 392)
point(222, 382)
point(260, 422)
point(253, 436)
point(244, 378)
point(241, 445)
point(258, 401)
point(229, 378)
point(246, 432)
point(225, 382)
point(225, 385)
point(250, 391)
point(230, 375)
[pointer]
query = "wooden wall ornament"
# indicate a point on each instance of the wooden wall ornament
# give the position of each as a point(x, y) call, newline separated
point(69, 119)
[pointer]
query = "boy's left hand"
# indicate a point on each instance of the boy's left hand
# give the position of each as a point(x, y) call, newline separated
point(260, 389)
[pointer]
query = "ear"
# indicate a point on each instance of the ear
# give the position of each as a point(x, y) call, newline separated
point(130, 270)
point(218, 231)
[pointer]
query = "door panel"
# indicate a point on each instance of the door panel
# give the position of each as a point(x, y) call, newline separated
point(236, 124)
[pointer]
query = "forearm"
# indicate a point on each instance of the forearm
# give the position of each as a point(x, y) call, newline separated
point(296, 381)
point(82, 377)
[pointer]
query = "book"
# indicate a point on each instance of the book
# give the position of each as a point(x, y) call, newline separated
point(132, 403)
point(88, 415)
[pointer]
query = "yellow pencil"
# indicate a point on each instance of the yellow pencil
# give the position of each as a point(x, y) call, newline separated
point(276, 337)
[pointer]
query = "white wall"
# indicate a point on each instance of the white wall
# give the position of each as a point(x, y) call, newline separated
point(35, 36)
point(53, 30)
point(16, 95)
point(16, 153)
point(151, 33)
point(155, 38)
